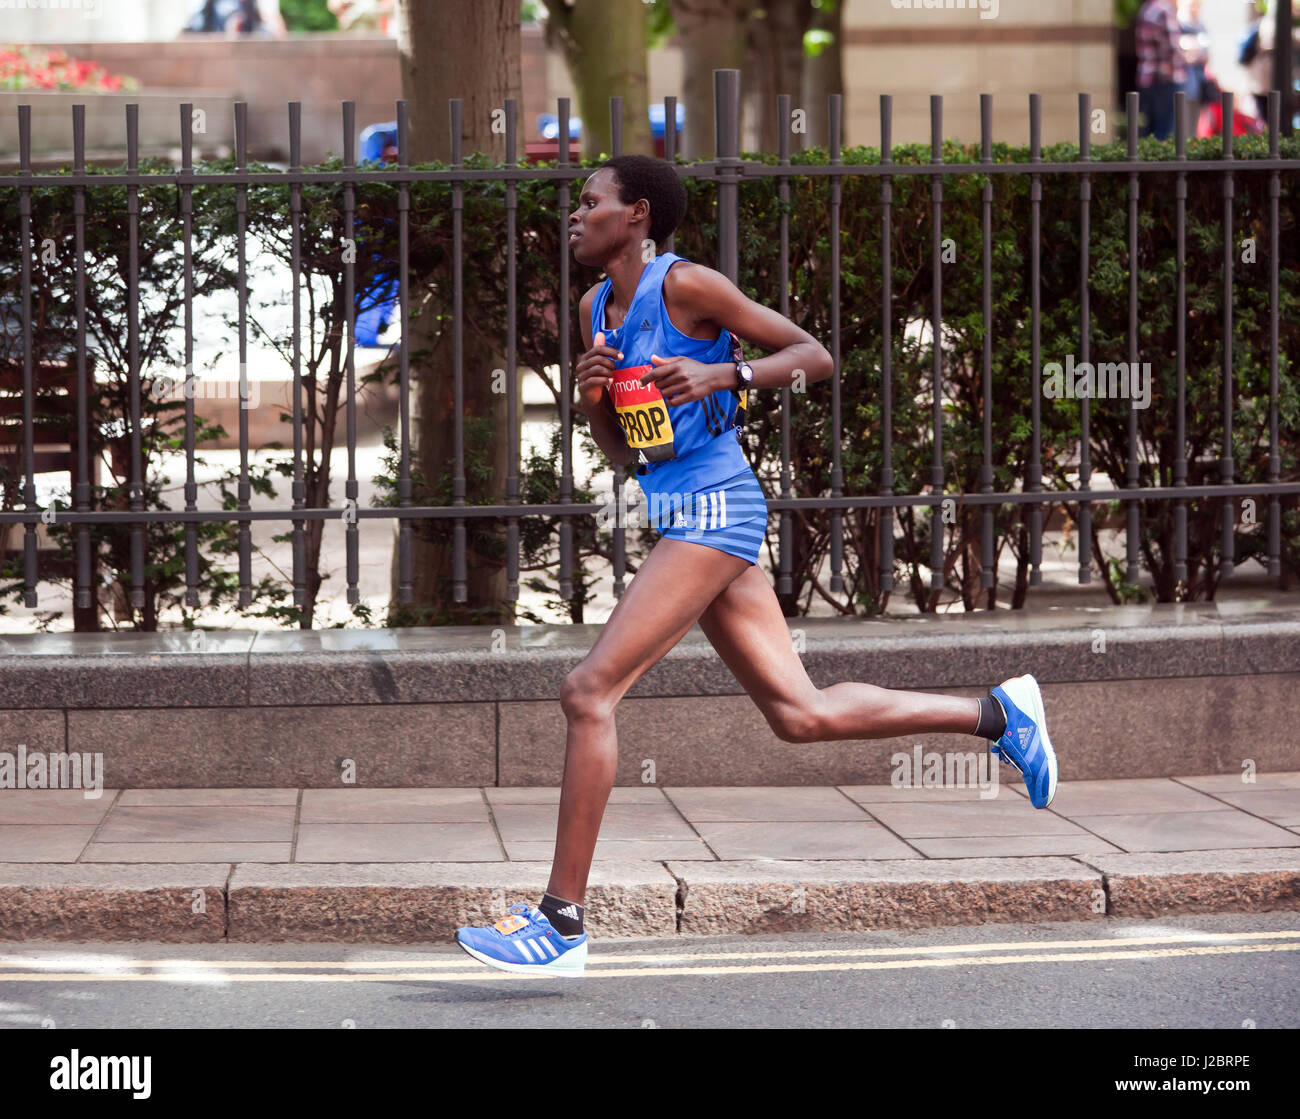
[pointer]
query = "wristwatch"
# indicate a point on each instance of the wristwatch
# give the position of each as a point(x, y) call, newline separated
point(744, 375)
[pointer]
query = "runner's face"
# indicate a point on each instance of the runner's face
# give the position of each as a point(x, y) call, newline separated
point(600, 222)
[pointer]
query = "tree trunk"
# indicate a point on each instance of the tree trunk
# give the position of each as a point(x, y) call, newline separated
point(604, 43)
point(777, 62)
point(823, 72)
point(482, 70)
point(713, 38)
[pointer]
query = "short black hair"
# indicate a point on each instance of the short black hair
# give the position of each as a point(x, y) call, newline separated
point(640, 176)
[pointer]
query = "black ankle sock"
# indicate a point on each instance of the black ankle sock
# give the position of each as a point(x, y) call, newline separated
point(993, 719)
point(565, 916)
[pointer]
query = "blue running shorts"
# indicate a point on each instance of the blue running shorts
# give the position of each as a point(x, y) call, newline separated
point(730, 516)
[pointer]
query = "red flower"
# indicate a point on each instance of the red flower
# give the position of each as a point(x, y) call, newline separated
point(112, 84)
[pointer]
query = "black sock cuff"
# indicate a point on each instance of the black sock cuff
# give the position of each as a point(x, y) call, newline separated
point(565, 916)
point(993, 719)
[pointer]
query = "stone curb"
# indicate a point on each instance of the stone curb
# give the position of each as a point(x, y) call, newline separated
point(1157, 884)
point(172, 903)
point(421, 903)
point(773, 896)
point(410, 903)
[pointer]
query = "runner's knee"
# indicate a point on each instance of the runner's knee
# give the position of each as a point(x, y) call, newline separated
point(583, 696)
point(796, 722)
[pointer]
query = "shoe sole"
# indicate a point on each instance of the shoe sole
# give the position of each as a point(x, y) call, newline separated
point(551, 969)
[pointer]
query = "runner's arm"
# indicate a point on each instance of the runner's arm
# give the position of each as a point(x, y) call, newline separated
point(711, 297)
point(605, 427)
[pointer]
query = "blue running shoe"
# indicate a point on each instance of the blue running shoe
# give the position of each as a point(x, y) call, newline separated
point(525, 941)
point(1024, 744)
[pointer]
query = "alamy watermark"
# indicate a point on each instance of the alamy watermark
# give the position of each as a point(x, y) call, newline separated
point(930, 769)
point(1107, 380)
point(988, 9)
point(35, 769)
point(697, 512)
point(164, 386)
point(89, 9)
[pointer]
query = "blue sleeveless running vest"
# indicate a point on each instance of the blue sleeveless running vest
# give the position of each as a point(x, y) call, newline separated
point(680, 448)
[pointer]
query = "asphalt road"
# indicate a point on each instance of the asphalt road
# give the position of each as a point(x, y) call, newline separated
point(1221, 972)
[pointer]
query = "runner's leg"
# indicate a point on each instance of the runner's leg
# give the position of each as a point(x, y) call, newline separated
point(665, 598)
point(745, 625)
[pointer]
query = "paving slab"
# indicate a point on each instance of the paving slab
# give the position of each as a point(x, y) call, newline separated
point(138, 798)
point(1117, 798)
point(393, 806)
point(867, 795)
point(44, 843)
point(714, 803)
point(518, 822)
point(53, 806)
point(186, 852)
point(1279, 806)
point(831, 839)
point(1234, 782)
point(656, 850)
point(230, 823)
point(995, 846)
point(1004, 816)
point(397, 843)
point(1186, 831)
point(550, 794)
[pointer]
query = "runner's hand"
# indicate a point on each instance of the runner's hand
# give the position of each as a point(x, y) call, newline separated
point(681, 380)
point(595, 372)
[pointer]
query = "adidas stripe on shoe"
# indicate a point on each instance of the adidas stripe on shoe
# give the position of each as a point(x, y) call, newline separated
point(524, 941)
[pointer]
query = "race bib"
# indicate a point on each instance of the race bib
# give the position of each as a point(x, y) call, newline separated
point(642, 413)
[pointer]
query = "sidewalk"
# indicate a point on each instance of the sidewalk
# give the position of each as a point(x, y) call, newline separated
point(409, 865)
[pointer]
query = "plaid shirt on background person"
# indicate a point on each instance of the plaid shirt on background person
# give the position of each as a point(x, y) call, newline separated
point(1160, 58)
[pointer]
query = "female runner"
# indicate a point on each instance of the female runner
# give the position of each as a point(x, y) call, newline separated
point(662, 382)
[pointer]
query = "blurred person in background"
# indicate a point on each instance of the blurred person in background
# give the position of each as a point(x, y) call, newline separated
point(1209, 122)
point(1162, 67)
point(1195, 43)
point(364, 15)
point(237, 17)
point(1257, 53)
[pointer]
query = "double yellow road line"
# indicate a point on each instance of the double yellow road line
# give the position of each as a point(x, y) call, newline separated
point(70, 968)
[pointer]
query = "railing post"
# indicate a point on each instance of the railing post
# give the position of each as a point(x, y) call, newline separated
point(726, 113)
